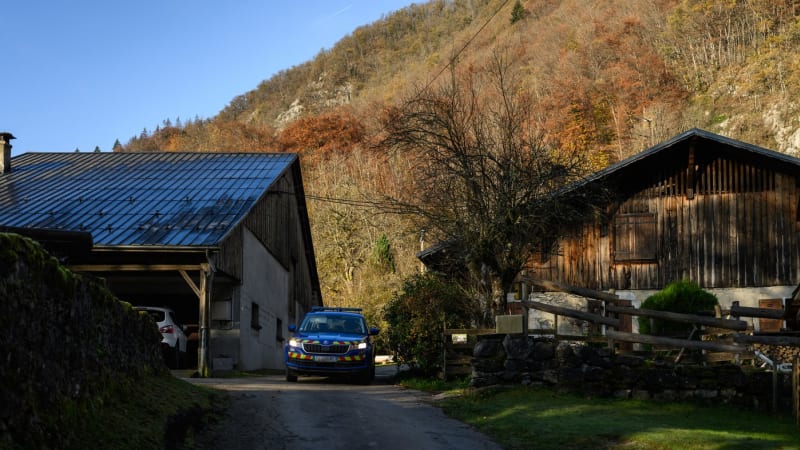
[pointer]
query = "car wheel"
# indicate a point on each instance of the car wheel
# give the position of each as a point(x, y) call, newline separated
point(178, 358)
point(365, 377)
point(290, 377)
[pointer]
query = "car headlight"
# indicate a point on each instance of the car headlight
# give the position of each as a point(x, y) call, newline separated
point(295, 343)
point(358, 346)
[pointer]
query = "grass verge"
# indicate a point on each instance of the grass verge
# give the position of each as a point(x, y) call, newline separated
point(155, 412)
point(525, 418)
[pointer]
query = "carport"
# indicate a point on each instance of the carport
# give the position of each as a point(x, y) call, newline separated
point(222, 239)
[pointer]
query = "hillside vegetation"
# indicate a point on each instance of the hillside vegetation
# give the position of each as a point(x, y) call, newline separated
point(607, 79)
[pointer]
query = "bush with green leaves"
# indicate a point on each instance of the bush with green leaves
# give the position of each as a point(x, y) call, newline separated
point(417, 316)
point(683, 297)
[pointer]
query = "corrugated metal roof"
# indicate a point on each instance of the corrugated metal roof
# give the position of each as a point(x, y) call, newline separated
point(138, 199)
point(732, 144)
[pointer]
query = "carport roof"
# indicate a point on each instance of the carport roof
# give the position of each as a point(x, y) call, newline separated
point(138, 199)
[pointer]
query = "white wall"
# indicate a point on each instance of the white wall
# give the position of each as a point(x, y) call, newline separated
point(745, 296)
point(265, 282)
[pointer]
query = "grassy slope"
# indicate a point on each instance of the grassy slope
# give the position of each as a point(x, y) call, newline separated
point(155, 412)
point(520, 418)
point(148, 414)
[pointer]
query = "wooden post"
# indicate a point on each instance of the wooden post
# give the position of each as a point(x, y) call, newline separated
point(796, 389)
point(444, 350)
point(206, 276)
point(775, 387)
point(609, 315)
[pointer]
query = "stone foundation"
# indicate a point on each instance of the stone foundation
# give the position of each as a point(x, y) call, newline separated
point(598, 372)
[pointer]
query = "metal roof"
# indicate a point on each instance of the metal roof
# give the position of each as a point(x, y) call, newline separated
point(732, 145)
point(138, 199)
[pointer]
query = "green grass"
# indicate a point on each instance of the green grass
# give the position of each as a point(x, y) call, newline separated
point(155, 412)
point(142, 415)
point(528, 418)
point(434, 384)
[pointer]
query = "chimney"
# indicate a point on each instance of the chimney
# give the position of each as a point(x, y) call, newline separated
point(5, 142)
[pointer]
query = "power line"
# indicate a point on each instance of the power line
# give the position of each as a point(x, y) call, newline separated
point(469, 41)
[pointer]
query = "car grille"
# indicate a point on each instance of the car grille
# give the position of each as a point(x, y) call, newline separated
point(335, 349)
point(336, 365)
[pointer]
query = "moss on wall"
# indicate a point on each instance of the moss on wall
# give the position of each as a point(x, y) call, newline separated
point(64, 340)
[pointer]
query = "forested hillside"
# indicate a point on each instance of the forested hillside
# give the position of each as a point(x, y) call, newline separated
point(606, 79)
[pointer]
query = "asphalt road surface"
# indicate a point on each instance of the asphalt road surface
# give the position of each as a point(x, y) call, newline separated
point(320, 413)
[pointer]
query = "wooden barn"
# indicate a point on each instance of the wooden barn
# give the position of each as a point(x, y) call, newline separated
point(699, 207)
point(222, 239)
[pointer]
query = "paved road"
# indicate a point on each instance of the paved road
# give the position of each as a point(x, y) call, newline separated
point(319, 413)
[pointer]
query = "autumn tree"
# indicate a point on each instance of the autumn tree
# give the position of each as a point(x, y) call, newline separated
point(337, 130)
point(484, 180)
point(362, 256)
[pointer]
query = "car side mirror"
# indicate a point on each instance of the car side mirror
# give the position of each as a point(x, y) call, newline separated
point(373, 331)
point(292, 328)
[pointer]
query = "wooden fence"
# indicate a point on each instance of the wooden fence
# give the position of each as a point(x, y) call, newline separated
point(457, 355)
point(734, 328)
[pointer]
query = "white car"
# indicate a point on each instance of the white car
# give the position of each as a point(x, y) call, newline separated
point(173, 339)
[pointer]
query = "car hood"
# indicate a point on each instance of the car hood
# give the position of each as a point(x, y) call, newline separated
point(332, 337)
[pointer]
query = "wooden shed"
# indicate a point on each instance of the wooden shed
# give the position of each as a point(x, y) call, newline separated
point(223, 239)
point(699, 207)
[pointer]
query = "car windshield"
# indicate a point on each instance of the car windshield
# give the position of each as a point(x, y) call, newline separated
point(333, 323)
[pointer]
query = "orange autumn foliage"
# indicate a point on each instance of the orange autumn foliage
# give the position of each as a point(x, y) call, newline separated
point(334, 131)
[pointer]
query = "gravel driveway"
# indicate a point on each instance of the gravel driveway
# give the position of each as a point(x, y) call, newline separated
point(319, 413)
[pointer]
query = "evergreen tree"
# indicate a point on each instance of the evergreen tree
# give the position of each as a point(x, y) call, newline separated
point(382, 255)
point(518, 12)
point(117, 146)
point(97, 149)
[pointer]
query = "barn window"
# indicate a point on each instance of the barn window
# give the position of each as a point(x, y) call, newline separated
point(254, 317)
point(635, 237)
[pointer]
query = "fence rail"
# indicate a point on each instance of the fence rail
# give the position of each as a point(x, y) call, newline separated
point(457, 359)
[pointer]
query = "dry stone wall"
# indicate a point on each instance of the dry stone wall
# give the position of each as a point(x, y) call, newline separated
point(598, 372)
point(64, 339)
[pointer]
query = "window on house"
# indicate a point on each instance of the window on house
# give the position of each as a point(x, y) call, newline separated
point(254, 317)
point(278, 329)
point(635, 237)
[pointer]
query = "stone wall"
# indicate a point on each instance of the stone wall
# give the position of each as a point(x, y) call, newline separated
point(64, 339)
point(598, 372)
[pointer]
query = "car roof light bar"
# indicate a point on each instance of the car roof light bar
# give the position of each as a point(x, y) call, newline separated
point(334, 308)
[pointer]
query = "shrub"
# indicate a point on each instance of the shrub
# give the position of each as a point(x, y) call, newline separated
point(417, 315)
point(678, 297)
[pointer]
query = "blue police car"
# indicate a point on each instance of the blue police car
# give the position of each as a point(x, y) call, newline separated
point(331, 341)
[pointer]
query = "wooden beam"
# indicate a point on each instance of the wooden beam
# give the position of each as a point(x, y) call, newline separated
point(765, 313)
point(132, 267)
point(728, 324)
point(191, 284)
point(558, 287)
point(470, 331)
point(787, 341)
point(672, 342)
point(574, 313)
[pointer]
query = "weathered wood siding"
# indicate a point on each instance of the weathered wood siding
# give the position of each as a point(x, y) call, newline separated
point(275, 222)
point(720, 222)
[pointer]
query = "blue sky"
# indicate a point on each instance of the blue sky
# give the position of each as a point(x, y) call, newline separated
point(82, 73)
